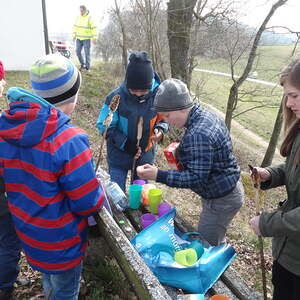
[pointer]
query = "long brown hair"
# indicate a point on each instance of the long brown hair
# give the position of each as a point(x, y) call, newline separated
point(290, 74)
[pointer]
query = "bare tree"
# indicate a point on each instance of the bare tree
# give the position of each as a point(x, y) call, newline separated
point(123, 42)
point(234, 90)
point(150, 15)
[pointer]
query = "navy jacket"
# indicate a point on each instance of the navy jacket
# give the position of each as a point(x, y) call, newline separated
point(121, 135)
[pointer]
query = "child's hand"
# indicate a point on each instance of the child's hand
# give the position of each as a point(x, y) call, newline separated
point(254, 224)
point(147, 171)
point(157, 137)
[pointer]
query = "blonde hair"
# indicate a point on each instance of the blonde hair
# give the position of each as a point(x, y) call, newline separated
point(290, 74)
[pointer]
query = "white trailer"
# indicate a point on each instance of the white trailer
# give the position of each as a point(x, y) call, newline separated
point(22, 33)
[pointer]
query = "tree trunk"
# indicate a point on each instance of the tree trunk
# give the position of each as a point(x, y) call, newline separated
point(231, 104)
point(180, 13)
point(267, 161)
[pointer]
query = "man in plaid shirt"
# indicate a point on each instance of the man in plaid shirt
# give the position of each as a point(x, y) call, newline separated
point(205, 154)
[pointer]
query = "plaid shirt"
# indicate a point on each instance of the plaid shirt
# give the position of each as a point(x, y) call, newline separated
point(205, 152)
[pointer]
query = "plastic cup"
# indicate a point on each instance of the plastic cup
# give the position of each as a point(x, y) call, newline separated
point(147, 219)
point(145, 192)
point(198, 247)
point(163, 208)
point(219, 297)
point(154, 198)
point(135, 195)
point(139, 181)
point(186, 257)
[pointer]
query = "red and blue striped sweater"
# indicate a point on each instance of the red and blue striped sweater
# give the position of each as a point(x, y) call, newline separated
point(50, 182)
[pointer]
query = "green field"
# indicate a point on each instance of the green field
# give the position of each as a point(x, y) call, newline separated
point(268, 64)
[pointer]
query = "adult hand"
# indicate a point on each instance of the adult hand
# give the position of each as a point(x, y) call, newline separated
point(147, 171)
point(263, 174)
point(254, 224)
point(138, 153)
point(157, 137)
point(94, 41)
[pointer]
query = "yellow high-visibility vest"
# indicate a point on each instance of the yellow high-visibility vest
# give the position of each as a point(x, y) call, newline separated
point(84, 28)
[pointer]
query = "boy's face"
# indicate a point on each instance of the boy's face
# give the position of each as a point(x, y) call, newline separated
point(2, 84)
point(138, 93)
point(175, 118)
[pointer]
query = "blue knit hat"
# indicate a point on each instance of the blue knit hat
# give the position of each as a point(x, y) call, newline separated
point(139, 72)
point(55, 78)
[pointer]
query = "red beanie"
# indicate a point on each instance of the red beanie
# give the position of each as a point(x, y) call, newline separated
point(2, 73)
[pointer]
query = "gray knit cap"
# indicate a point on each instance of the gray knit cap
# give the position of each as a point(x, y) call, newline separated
point(172, 94)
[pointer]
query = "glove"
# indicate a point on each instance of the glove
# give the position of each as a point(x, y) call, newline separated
point(254, 224)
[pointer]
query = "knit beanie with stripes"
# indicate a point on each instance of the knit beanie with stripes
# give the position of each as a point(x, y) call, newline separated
point(55, 78)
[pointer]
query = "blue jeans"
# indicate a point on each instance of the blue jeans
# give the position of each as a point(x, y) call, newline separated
point(86, 45)
point(63, 286)
point(10, 248)
point(119, 176)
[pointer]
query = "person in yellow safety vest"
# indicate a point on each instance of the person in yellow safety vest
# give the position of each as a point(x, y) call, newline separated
point(84, 30)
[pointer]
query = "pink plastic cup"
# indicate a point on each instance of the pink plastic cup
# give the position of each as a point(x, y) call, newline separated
point(147, 219)
point(163, 208)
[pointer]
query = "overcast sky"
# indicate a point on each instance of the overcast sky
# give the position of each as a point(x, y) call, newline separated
point(61, 13)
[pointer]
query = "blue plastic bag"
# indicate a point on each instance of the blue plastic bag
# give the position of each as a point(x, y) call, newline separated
point(157, 244)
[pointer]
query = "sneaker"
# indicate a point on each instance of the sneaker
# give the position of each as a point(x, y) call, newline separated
point(82, 68)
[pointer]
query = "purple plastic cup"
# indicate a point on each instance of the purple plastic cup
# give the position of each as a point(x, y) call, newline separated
point(163, 208)
point(147, 219)
point(139, 181)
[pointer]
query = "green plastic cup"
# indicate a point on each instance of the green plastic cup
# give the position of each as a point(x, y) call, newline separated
point(154, 198)
point(186, 257)
point(135, 195)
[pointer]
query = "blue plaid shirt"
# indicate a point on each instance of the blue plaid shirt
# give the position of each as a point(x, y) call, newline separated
point(205, 153)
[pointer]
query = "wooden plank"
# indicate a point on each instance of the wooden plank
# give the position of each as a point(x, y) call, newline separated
point(238, 286)
point(144, 283)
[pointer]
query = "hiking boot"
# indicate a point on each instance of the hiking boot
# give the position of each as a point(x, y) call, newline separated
point(7, 295)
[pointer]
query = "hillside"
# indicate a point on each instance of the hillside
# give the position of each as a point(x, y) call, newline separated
point(248, 147)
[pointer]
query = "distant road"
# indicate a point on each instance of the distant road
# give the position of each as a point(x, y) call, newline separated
point(229, 75)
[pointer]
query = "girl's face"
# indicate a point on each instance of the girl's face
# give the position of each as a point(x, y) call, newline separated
point(292, 96)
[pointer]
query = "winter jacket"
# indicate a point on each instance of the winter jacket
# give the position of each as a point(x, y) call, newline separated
point(84, 28)
point(3, 201)
point(2, 72)
point(205, 153)
point(283, 224)
point(121, 135)
point(50, 181)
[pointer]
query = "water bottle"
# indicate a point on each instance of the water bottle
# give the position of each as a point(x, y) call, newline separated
point(116, 195)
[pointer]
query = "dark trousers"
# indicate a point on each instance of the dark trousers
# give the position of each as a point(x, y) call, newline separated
point(286, 284)
point(10, 249)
